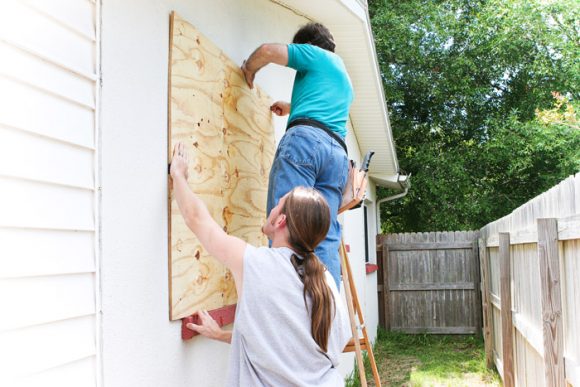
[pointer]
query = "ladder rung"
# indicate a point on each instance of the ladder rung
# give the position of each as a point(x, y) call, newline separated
point(350, 347)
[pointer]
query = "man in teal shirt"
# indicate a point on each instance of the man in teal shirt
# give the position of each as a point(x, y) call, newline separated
point(312, 152)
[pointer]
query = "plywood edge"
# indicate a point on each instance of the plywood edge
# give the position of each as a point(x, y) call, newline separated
point(169, 180)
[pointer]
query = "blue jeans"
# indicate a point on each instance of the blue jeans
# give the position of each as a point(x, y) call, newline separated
point(307, 156)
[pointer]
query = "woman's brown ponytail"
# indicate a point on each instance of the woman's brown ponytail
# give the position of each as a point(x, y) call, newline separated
point(308, 220)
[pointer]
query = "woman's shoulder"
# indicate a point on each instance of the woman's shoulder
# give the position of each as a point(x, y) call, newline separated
point(266, 256)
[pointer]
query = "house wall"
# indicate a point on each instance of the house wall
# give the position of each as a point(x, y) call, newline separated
point(140, 346)
point(353, 235)
point(48, 211)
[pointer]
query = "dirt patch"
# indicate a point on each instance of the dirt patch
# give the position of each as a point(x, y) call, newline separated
point(396, 372)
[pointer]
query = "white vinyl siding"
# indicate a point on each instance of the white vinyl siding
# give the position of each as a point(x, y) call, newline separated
point(48, 199)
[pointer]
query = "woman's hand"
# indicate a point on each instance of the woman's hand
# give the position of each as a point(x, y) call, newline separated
point(209, 328)
point(179, 162)
point(280, 108)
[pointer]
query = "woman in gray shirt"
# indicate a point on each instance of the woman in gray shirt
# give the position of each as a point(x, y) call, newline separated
point(290, 325)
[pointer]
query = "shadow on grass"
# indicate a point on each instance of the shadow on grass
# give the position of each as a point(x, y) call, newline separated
point(428, 360)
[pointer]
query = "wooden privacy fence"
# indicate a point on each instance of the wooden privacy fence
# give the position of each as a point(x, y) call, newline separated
point(530, 265)
point(429, 282)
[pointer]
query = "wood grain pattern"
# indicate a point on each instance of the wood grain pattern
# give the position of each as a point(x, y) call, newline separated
point(551, 302)
point(228, 131)
point(506, 311)
point(486, 302)
point(386, 293)
point(477, 279)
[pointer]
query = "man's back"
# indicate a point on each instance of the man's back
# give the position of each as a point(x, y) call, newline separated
point(322, 88)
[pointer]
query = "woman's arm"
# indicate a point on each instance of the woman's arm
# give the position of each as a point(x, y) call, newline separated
point(227, 249)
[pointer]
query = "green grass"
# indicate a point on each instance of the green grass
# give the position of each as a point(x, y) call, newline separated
point(428, 360)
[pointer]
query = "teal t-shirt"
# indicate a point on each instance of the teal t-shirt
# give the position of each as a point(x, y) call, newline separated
point(322, 88)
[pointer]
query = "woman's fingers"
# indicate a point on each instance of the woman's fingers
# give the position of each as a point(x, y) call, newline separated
point(193, 327)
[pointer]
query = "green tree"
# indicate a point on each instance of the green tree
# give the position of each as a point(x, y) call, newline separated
point(464, 80)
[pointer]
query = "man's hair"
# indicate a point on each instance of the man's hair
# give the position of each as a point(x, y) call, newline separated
point(315, 34)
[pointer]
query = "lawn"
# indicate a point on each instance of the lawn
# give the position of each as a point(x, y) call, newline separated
point(428, 360)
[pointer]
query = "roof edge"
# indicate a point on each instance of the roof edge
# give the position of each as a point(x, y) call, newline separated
point(396, 182)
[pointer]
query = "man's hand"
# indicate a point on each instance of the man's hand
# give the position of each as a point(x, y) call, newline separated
point(179, 162)
point(210, 328)
point(280, 108)
point(248, 75)
point(266, 53)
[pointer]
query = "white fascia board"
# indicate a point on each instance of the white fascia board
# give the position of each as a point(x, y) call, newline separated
point(349, 23)
point(395, 182)
point(356, 8)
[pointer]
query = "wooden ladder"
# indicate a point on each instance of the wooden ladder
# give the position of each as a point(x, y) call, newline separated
point(356, 344)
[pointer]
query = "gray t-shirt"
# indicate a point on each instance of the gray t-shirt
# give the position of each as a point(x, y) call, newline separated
point(271, 343)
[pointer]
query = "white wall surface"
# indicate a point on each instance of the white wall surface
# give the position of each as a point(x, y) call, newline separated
point(140, 345)
point(353, 231)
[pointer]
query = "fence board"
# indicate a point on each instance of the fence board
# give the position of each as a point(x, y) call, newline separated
point(433, 286)
point(486, 303)
point(386, 292)
point(477, 280)
point(429, 246)
point(570, 272)
point(506, 310)
point(380, 280)
point(528, 363)
point(532, 334)
point(551, 301)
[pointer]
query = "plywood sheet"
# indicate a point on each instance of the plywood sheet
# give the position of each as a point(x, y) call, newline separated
point(229, 133)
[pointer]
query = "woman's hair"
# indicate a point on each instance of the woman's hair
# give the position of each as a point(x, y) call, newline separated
point(308, 220)
point(315, 34)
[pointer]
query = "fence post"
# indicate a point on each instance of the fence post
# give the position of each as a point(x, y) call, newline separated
point(477, 285)
point(485, 300)
point(386, 289)
point(380, 281)
point(506, 310)
point(551, 302)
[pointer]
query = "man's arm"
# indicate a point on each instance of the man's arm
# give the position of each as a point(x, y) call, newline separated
point(263, 55)
point(227, 249)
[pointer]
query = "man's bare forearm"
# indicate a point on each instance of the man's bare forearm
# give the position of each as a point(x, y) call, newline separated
point(267, 53)
point(263, 55)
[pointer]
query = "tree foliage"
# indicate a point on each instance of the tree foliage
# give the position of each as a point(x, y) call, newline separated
point(469, 87)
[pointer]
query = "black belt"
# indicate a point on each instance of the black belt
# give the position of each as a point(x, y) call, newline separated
point(319, 125)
